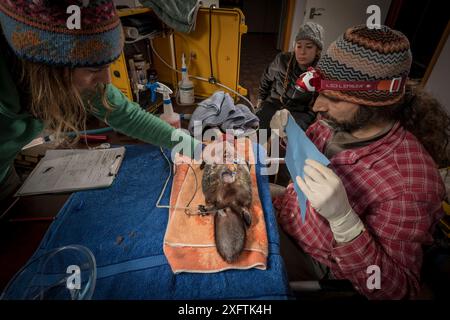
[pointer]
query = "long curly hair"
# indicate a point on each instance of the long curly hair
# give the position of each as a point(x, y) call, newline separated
point(423, 116)
point(54, 99)
point(49, 94)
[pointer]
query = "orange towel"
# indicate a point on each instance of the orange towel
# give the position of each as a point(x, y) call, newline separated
point(189, 240)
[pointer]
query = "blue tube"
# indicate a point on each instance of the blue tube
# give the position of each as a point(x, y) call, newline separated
point(93, 131)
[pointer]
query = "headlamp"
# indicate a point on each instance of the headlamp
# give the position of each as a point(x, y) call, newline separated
point(312, 81)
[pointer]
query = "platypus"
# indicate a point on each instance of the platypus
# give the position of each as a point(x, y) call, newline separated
point(228, 195)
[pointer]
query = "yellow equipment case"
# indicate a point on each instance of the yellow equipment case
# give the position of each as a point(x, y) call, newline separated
point(212, 50)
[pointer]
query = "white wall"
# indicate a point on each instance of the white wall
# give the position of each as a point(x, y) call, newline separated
point(337, 17)
point(300, 7)
point(438, 83)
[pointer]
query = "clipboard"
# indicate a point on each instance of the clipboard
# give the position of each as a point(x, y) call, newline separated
point(73, 170)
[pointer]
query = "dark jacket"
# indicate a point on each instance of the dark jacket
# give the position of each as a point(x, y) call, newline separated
point(272, 84)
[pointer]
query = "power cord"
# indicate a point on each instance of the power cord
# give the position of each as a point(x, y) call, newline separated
point(187, 208)
point(252, 108)
point(211, 79)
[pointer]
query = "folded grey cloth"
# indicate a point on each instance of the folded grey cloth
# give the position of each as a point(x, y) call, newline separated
point(219, 111)
point(178, 14)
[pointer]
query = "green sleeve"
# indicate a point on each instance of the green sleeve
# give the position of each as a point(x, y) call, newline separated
point(130, 119)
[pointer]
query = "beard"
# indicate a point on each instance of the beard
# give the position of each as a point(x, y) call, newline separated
point(361, 118)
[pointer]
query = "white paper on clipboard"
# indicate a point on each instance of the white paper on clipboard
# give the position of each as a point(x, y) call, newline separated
point(73, 170)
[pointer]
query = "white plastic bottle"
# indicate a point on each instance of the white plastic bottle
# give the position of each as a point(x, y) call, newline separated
point(185, 86)
point(169, 115)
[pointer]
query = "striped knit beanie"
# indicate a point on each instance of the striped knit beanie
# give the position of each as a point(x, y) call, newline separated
point(311, 31)
point(37, 31)
point(363, 54)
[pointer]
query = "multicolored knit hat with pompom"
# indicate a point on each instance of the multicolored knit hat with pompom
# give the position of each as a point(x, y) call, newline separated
point(363, 54)
point(37, 31)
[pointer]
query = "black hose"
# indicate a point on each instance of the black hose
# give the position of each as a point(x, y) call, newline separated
point(211, 77)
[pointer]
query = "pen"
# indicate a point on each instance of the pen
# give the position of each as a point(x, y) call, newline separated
point(88, 137)
point(113, 168)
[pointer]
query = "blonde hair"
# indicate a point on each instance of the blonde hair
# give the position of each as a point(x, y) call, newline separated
point(53, 98)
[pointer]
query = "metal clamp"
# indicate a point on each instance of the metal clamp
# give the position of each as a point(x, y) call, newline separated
point(394, 83)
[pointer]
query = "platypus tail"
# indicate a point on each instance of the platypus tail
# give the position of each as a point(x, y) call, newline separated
point(229, 233)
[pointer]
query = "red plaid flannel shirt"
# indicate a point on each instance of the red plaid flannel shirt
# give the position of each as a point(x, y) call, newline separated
point(394, 186)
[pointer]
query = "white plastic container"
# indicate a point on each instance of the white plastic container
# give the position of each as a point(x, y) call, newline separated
point(185, 86)
point(168, 114)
